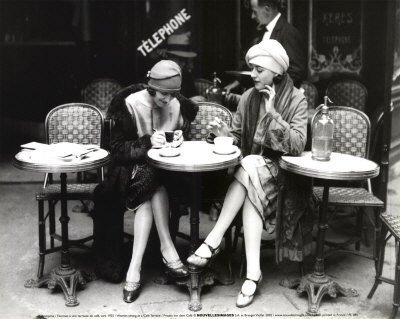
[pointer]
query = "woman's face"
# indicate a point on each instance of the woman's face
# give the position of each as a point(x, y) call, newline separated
point(162, 99)
point(261, 77)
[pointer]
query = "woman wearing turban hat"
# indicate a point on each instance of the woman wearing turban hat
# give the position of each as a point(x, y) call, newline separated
point(140, 120)
point(271, 120)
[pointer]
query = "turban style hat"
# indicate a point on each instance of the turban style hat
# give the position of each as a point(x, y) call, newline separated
point(270, 55)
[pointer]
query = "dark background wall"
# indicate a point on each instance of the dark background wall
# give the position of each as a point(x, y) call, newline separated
point(49, 49)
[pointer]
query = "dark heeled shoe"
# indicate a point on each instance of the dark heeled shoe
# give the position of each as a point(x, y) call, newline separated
point(131, 291)
point(200, 262)
point(175, 268)
point(244, 300)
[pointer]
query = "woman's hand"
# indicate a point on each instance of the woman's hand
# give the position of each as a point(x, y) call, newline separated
point(269, 93)
point(218, 127)
point(178, 138)
point(158, 139)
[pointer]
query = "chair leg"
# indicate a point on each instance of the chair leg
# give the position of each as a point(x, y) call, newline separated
point(381, 259)
point(42, 238)
point(52, 222)
point(228, 250)
point(359, 228)
point(236, 235)
point(396, 295)
point(174, 219)
point(301, 269)
point(377, 234)
point(242, 260)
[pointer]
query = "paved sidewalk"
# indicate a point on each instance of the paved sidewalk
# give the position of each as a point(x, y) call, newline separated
point(18, 231)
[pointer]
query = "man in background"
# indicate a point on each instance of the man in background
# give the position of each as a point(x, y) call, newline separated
point(273, 25)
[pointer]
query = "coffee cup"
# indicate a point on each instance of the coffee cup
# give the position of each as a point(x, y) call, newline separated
point(169, 136)
point(223, 144)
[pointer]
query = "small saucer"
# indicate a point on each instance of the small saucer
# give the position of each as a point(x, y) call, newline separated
point(227, 152)
point(169, 152)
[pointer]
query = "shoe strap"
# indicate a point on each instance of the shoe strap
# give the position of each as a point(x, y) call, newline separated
point(212, 249)
point(255, 281)
point(131, 285)
point(173, 264)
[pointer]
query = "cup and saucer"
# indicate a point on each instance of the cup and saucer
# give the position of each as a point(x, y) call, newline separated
point(169, 152)
point(223, 145)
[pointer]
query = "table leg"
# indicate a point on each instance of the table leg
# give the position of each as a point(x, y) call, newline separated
point(317, 284)
point(194, 285)
point(198, 278)
point(64, 275)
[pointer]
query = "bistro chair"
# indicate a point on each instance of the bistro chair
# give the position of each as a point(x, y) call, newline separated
point(100, 92)
point(348, 92)
point(75, 123)
point(351, 136)
point(202, 85)
point(390, 228)
point(311, 93)
point(390, 223)
point(207, 113)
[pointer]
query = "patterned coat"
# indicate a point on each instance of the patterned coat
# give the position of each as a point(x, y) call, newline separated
point(271, 135)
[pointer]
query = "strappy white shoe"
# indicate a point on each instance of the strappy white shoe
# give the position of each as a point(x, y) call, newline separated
point(244, 300)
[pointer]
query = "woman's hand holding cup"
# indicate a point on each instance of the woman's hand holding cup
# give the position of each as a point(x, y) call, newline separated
point(218, 127)
point(158, 139)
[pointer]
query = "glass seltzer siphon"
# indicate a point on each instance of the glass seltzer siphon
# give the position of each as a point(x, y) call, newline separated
point(322, 134)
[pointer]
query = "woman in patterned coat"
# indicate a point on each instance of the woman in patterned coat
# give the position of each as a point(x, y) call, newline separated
point(271, 120)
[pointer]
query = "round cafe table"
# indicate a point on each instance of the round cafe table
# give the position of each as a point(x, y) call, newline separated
point(195, 157)
point(64, 275)
point(339, 167)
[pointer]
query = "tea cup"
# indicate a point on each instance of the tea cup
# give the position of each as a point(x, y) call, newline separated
point(223, 144)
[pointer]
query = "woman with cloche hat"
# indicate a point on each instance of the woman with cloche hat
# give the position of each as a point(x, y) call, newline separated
point(140, 121)
point(271, 120)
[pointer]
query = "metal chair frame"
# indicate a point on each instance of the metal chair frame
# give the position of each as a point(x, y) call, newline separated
point(198, 128)
point(102, 97)
point(75, 191)
point(390, 228)
point(311, 94)
point(359, 197)
point(336, 91)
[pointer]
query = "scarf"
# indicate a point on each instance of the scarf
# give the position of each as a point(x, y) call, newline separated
point(284, 91)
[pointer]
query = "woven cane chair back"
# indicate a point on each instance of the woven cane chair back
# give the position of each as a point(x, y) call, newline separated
point(348, 93)
point(351, 133)
point(311, 93)
point(208, 111)
point(75, 123)
point(100, 92)
point(201, 86)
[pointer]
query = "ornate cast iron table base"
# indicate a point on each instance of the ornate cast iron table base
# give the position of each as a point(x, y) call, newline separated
point(316, 287)
point(66, 278)
point(197, 280)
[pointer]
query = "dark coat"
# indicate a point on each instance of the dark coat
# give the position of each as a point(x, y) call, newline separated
point(294, 44)
point(126, 147)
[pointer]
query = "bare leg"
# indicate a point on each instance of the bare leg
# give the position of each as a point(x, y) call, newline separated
point(252, 228)
point(141, 227)
point(160, 208)
point(233, 202)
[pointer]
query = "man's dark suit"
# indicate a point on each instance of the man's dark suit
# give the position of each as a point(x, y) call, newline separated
point(294, 44)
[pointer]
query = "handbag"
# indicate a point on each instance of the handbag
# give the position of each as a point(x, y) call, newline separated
point(141, 186)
